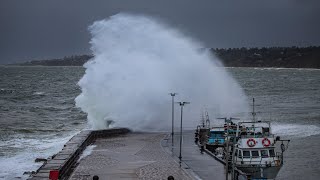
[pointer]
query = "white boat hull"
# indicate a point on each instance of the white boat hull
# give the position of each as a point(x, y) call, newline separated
point(261, 172)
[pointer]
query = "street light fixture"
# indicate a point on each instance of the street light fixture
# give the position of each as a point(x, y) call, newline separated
point(181, 105)
point(172, 132)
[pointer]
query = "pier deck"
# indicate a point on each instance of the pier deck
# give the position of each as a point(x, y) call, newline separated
point(205, 166)
point(147, 156)
point(130, 156)
point(119, 154)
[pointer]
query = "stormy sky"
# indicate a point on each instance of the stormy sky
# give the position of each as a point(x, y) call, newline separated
point(44, 29)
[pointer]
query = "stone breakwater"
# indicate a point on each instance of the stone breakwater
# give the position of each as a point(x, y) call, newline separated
point(64, 161)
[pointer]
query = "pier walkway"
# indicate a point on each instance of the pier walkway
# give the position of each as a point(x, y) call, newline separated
point(147, 156)
point(120, 154)
point(129, 156)
point(205, 166)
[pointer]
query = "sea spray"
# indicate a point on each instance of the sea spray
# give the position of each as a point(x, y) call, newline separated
point(139, 60)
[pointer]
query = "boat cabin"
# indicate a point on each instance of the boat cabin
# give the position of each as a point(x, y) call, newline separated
point(256, 145)
point(217, 136)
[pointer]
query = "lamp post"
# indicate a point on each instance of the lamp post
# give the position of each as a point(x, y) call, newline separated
point(172, 132)
point(181, 105)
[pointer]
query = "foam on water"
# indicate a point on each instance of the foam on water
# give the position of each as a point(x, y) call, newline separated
point(295, 130)
point(14, 166)
point(139, 60)
point(39, 93)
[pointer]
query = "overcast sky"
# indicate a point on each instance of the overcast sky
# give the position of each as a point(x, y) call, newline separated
point(42, 29)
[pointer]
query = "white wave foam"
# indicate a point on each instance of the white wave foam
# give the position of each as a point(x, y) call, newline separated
point(277, 68)
point(137, 62)
point(295, 130)
point(39, 93)
point(13, 167)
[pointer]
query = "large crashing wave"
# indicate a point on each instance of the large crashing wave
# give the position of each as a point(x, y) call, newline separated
point(137, 62)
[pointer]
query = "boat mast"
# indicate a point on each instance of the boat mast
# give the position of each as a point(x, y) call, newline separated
point(253, 118)
point(207, 120)
point(202, 119)
point(253, 112)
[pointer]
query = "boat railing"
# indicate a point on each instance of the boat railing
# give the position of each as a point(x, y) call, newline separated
point(256, 135)
point(259, 161)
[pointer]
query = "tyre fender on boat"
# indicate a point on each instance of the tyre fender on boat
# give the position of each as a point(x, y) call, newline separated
point(266, 142)
point(251, 142)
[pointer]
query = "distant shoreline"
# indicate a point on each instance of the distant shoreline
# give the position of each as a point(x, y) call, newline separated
point(273, 57)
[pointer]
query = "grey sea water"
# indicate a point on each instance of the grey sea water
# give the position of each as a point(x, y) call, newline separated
point(38, 114)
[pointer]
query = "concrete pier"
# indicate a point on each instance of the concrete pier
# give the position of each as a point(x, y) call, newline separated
point(130, 156)
point(64, 161)
point(202, 164)
point(118, 154)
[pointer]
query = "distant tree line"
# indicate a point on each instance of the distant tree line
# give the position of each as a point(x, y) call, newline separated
point(287, 57)
point(77, 60)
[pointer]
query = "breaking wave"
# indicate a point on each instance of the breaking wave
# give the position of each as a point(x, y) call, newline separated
point(139, 60)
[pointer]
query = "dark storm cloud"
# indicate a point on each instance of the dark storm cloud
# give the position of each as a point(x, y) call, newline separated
point(38, 29)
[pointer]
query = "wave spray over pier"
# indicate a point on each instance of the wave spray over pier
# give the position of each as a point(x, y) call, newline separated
point(137, 61)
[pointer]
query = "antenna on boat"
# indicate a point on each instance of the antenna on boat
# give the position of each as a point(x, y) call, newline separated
point(253, 112)
point(202, 119)
point(253, 118)
point(270, 109)
point(207, 120)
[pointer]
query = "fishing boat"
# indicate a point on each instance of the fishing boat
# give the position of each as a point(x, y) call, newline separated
point(255, 150)
point(216, 140)
point(202, 132)
point(247, 149)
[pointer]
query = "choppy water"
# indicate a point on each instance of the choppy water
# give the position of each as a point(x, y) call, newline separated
point(38, 115)
point(290, 98)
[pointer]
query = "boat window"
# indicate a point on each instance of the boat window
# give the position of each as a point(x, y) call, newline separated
point(264, 153)
point(255, 154)
point(240, 154)
point(217, 134)
point(265, 130)
point(246, 154)
point(271, 152)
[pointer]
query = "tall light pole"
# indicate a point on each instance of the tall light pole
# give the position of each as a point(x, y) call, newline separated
point(181, 105)
point(172, 132)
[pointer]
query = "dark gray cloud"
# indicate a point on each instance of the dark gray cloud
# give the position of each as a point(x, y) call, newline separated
point(40, 29)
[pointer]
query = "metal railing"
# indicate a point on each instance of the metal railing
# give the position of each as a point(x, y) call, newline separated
point(259, 161)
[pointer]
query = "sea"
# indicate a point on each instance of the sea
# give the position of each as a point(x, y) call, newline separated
point(38, 114)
